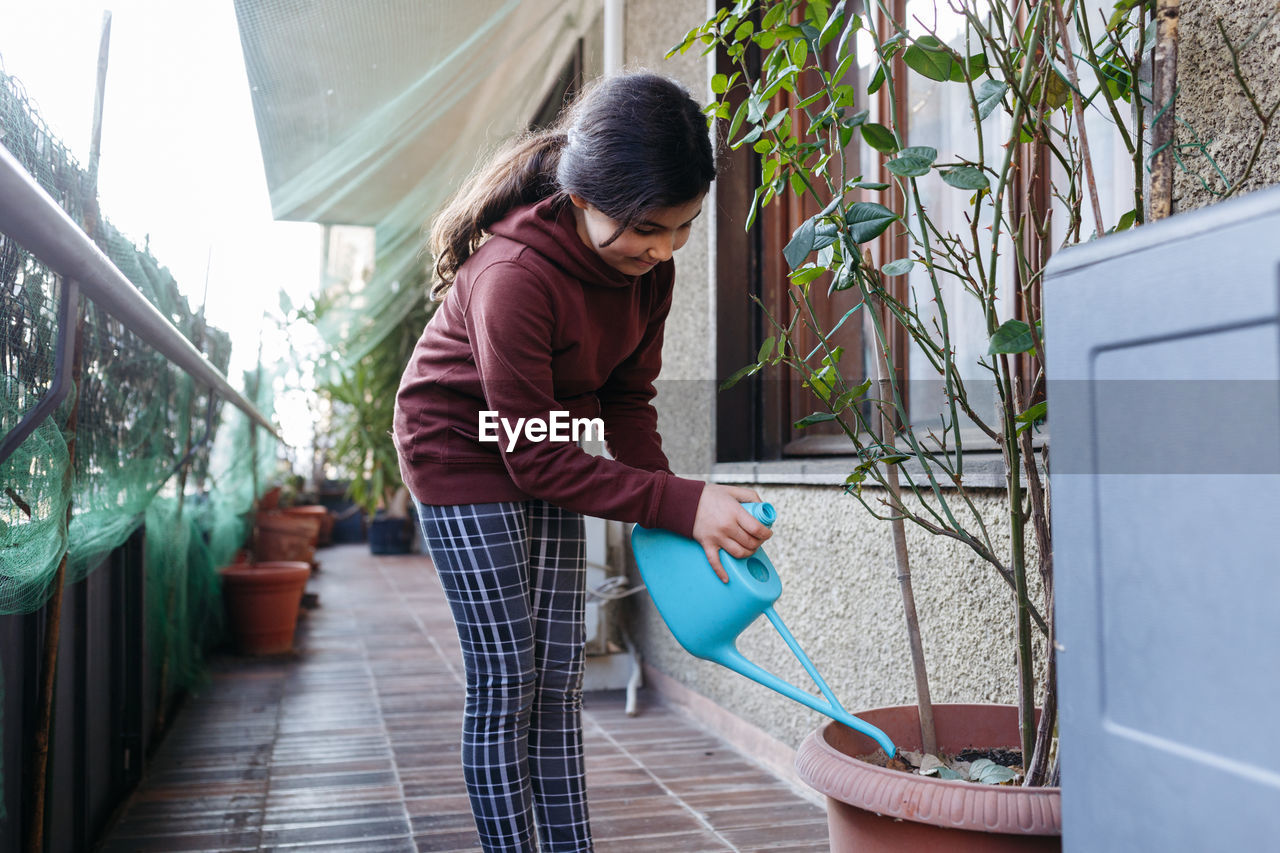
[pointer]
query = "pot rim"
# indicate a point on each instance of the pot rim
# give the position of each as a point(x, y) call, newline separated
point(272, 570)
point(949, 803)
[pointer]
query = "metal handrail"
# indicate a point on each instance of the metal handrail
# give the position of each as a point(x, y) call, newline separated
point(30, 217)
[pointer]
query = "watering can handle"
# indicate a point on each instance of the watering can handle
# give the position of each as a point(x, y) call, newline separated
point(832, 708)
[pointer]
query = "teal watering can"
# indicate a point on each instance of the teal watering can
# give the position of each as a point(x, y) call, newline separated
point(706, 616)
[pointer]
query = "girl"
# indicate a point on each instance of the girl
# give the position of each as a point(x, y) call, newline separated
point(556, 262)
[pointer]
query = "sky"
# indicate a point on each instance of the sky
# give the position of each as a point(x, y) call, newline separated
point(180, 161)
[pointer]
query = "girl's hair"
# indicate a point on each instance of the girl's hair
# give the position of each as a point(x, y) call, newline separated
point(629, 145)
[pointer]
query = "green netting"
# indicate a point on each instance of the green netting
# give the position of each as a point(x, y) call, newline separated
point(150, 445)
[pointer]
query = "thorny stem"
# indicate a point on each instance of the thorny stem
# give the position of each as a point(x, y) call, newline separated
point(1079, 112)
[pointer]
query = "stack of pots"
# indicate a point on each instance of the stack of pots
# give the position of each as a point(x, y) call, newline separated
point(263, 594)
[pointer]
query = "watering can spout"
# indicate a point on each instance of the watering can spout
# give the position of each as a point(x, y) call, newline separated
point(706, 616)
point(735, 660)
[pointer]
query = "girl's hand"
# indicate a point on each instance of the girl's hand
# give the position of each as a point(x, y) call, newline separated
point(721, 522)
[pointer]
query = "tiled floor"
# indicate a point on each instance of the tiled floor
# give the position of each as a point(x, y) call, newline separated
point(352, 745)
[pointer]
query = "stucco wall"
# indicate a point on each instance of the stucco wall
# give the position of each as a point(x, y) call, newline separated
point(1212, 106)
point(686, 396)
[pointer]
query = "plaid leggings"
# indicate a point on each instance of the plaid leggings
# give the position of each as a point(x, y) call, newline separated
point(514, 575)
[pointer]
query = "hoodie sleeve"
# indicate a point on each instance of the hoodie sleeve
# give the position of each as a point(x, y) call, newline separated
point(510, 322)
point(631, 422)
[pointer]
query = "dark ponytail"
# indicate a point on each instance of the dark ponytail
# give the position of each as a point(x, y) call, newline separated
point(521, 172)
point(630, 144)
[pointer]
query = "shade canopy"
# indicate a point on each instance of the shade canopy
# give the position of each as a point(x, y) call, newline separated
point(359, 105)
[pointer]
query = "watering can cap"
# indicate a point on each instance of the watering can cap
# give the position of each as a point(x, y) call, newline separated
point(763, 512)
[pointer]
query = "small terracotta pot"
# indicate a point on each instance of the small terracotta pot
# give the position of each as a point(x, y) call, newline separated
point(282, 537)
point(262, 604)
point(325, 535)
point(871, 808)
point(270, 499)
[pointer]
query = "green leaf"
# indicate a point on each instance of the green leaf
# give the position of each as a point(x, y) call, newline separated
point(909, 166)
point(805, 275)
point(868, 220)
point(845, 278)
point(1057, 91)
point(765, 41)
point(815, 418)
point(845, 95)
point(1122, 9)
point(843, 68)
point(860, 117)
point(966, 178)
point(823, 382)
point(719, 83)
point(879, 137)
point(1035, 413)
point(851, 396)
point(977, 66)
point(825, 234)
point(929, 57)
point(987, 772)
point(830, 30)
point(801, 244)
point(738, 376)
point(922, 151)
point(766, 349)
point(865, 185)
point(1013, 336)
point(773, 17)
point(898, 267)
point(877, 80)
point(989, 95)
point(737, 120)
point(1126, 221)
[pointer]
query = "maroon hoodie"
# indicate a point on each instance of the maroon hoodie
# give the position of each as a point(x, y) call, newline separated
point(536, 322)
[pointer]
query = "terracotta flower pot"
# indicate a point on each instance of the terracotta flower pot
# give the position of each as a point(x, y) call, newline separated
point(872, 808)
point(270, 499)
point(262, 604)
point(282, 537)
point(325, 536)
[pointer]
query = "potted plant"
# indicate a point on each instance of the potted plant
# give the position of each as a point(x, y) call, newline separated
point(925, 236)
point(362, 398)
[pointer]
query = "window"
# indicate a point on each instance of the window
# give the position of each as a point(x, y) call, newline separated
point(756, 417)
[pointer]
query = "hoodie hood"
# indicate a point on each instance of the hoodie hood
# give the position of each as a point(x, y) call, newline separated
point(548, 228)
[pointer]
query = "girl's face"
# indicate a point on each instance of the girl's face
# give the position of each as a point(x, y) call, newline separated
point(643, 244)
